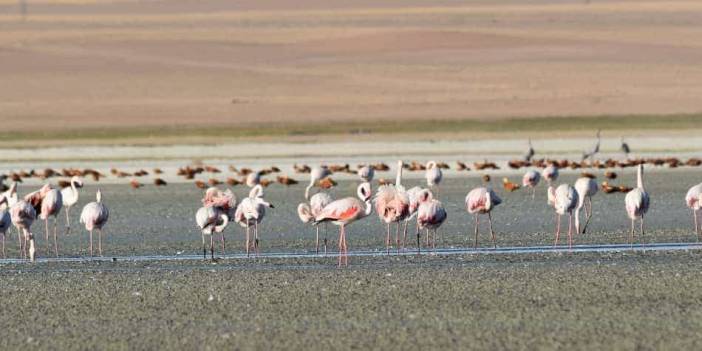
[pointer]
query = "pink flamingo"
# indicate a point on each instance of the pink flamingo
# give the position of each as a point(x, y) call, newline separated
point(345, 211)
point(430, 214)
point(95, 216)
point(211, 220)
point(433, 175)
point(316, 174)
point(482, 200)
point(5, 221)
point(586, 188)
point(531, 179)
point(413, 196)
point(308, 212)
point(70, 196)
point(23, 215)
point(692, 200)
point(51, 206)
point(564, 199)
point(223, 200)
point(550, 173)
point(392, 206)
point(251, 212)
point(637, 202)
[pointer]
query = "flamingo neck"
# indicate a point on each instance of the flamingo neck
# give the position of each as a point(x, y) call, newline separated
point(369, 209)
point(225, 221)
point(398, 180)
point(639, 177)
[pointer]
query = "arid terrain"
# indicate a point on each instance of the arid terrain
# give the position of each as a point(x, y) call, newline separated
point(149, 69)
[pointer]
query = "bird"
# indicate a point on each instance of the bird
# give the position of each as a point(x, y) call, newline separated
point(594, 150)
point(531, 179)
point(637, 201)
point(529, 153)
point(51, 204)
point(482, 200)
point(624, 147)
point(413, 196)
point(586, 188)
point(430, 214)
point(95, 215)
point(693, 201)
point(223, 200)
point(345, 211)
point(316, 174)
point(135, 184)
point(10, 195)
point(308, 211)
point(250, 212)
point(160, 182)
point(70, 195)
point(5, 221)
point(253, 179)
point(23, 215)
point(366, 173)
point(211, 220)
point(392, 206)
point(550, 173)
point(433, 175)
point(564, 199)
point(509, 186)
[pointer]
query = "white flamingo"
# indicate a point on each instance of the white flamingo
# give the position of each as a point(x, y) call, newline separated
point(586, 188)
point(95, 215)
point(433, 175)
point(531, 180)
point(550, 173)
point(345, 211)
point(316, 174)
point(211, 220)
point(482, 200)
point(564, 199)
point(23, 215)
point(637, 202)
point(693, 200)
point(430, 214)
point(70, 196)
point(308, 211)
point(251, 212)
point(51, 204)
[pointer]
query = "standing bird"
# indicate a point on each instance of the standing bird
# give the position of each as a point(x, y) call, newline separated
point(531, 179)
point(345, 211)
point(586, 188)
point(529, 153)
point(624, 147)
point(550, 173)
point(595, 149)
point(366, 173)
point(637, 202)
point(564, 200)
point(430, 214)
point(392, 206)
point(10, 196)
point(308, 212)
point(50, 207)
point(316, 174)
point(433, 175)
point(482, 200)
point(253, 179)
point(23, 215)
point(251, 212)
point(69, 196)
point(94, 216)
point(211, 220)
point(413, 196)
point(5, 221)
point(693, 200)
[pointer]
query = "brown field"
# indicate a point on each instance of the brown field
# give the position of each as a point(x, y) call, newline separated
point(93, 64)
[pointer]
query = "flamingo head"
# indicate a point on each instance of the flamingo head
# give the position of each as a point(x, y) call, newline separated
point(364, 191)
point(425, 195)
point(98, 196)
point(77, 181)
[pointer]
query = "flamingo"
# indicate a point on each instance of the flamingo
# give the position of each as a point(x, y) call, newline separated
point(211, 220)
point(413, 196)
point(433, 175)
point(10, 196)
point(69, 196)
point(366, 173)
point(5, 221)
point(50, 207)
point(482, 200)
point(95, 215)
point(308, 212)
point(392, 206)
point(692, 200)
point(226, 201)
point(316, 174)
point(550, 173)
point(564, 199)
point(531, 179)
point(250, 212)
point(637, 202)
point(529, 153)
point(430, 214)
point(23, 215)
point(253, 179)
point(586, 188)
point(345, 211)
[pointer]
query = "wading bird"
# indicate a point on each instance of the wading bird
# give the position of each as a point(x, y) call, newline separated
point(345, 211)
point(564, 199)
point(95, 216)
point(309, 211)
point(69, 195)
point(5, 221)
point(482, 200)
point(433, 176)
point(430, 214)
point(23, 215)
point(316, 174)
point(586, 188)
point(51, 204)
point(251, 212)
point(531, 179)
point(637, 201)
point(550, 174)
point(693, 200)
point(392, 206)
point(211, 220)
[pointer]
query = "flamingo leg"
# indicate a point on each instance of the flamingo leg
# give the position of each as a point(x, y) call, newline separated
point(494, 242)
point(316, 248)
point(100, 242)
point(91, 243)
point(477, 220)
point(643, 238)
point(588, 213)
point(224, 246)
point(533, 193)
point(55, 239)
point(387, 240)
point(46, 233)
point(3, 246)
point(248, 241)
point(68, 220)
point(256, 238)
point(212, 246)
point(434, 244)
point(419, 246)
point(397, 238)
point(697, 231)
point(19, 241)
point(204, 251)
point(558, 228)
point(346, 250)
point(570, 231)
point(341, 243)
point(631, 235)
point(325, 239)
point(404, 235)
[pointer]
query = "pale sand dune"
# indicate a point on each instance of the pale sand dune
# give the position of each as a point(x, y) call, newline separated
point(96, 64)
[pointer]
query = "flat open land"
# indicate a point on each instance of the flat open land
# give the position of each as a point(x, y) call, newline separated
point(149, 70)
